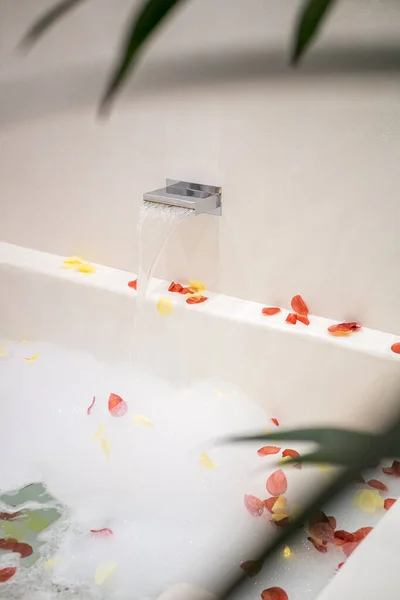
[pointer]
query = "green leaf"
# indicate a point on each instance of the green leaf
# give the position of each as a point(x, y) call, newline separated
point(141, 28)
point(47, 20)
point(309, 21)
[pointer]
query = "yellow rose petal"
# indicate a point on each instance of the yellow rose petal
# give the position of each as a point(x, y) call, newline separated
point(142, 420)
point(280, 505)
point(105, 446)
point(104, 571)
point(279, 516)
point(206, 461)
point(268, 431)
point(98, 433)
point(71, 262)
point(86, 269)
point(281, 461)
point(197, 286)
point(32, 358)
point(368, 501)
point(287, 553)
point(164, 306)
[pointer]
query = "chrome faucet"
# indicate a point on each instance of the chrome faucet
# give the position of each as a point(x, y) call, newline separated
point(203, 199)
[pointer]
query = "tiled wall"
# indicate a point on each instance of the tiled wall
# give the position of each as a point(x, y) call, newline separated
point(308, 161)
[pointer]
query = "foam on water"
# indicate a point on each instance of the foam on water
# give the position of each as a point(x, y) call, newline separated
point(173, 520)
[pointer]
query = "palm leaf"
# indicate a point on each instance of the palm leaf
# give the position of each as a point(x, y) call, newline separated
point(47, 20)
point(141, 28)
point(309, 21)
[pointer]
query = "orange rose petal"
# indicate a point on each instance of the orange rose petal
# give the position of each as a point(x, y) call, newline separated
point(104, 532)
point(389, 503)
point(292, 454)
point(266, 450)
point(271, 310)
point(89, 410)
point(133, 284)
point(378, 485)
point(7, 573)
point(394, 470)
point(251, 567)
point(254, 505)
point(196, 299)
point(291, 318)
point(303, 319)
point(344, 328)
point(299, 306)
point(277, 483)
point(269, 503)
point(340, 565)
point(116, 406)
point(341, 537)
point(274, 593)
point(175, 287)
point(275, 422)
point(396, 348)
point(349, 547)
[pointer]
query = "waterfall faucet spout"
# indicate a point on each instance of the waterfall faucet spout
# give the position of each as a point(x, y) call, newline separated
point(202, 199)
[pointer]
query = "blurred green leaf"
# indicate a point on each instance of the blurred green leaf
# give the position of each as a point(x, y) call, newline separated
point(47, 20)
point(141, 27)
point(309, 21)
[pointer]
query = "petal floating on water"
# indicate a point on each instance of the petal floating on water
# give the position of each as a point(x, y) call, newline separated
point(32, 358)
point(389, 503)
point(274, 593)
point(196, 299)
point(205, 461)
point(105, 446)
point(165, 306)
point(254, 505)
point(277, 483)
point(7, 573)
point(142, 420)
point(86, 269)
point(368, 501)
point(344, 328)
point(104, 571)
point(98, 433)
point(89, 410)
point(117, 406)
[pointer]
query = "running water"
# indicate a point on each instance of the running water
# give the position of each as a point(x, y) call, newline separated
point(156, 224)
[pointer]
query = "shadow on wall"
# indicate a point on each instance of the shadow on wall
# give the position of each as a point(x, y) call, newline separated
point(78, 87)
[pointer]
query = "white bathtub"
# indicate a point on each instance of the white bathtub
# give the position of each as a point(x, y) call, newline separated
point(304, 375)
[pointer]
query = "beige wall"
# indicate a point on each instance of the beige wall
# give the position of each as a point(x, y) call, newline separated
point(308, 161)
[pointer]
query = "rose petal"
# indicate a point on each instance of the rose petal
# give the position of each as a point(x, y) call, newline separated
point(266, 450)
point(332, 522)
point(104, 571)
point(395, 348)
point(321, 547)
point(104, 532)
point(270, 310)
point(394, 470)
point(362, 533)
point(32, 358)
point(303, 319)
point(291, 453)
point(23, 549)
point(89, 410)
point(205, 461)
point(98, 433)
point(275, 422)
point(175, 287)
point(196, 299)
point(349, 547)
point(116, 406)
point(277, 483)
point(340, 565)
point(344, 328)
point(274, 593)
point(368, 501)
point(86, 269)
point(9, 516)
point(377, 485)
point(7, 573)
point(291, 318)
point(341, 537)
point(254, 505)
point(133, 284)
point(251, 567)
point(281, 523)
point(142, 420)
point(269, 503)
point(197, 286)
point(299, 306)
point(389, 503)
point(105, 446)
point(165, 306)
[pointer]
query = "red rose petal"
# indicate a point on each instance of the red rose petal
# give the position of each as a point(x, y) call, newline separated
point(291, 318)
point(377, 485)
point(275, 422)
point(186, 290)
point(292, 454)
point(344, 328)
point(341, 537)
point(8, 544)
point(89, 410)
point(104, 532)
point(396, 348)
point(266, 450)
point(303, 319)
point(9, 516)
point(133, 284)
point(349, 547)
point(299, 306)
point(117, 406)
point(271, 310)
point(254, 505)
point(269, 503)
point(332, 522)
point(389, 503)
point(175, 287)
point(321, 547)
point(196, 299)
point(362, 533)
point(23, 549)
point(277, 483)
point(274, 593)
point(394, 470)
point(7, 573)
point(340, 565)
point(251, 567)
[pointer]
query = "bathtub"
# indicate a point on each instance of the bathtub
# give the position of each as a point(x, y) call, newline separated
point(301, 374)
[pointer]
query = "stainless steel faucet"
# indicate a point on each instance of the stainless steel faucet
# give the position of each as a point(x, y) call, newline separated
point(203, 199)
